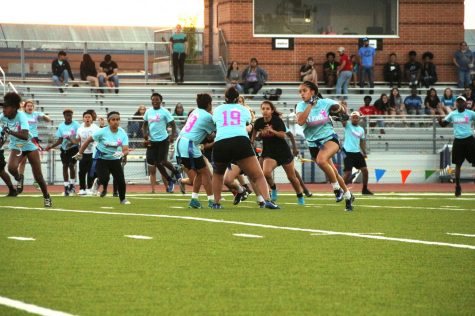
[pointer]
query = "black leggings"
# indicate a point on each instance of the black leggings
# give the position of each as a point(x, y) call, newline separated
point(107, 167)
point(84, 167)
point(179, 65)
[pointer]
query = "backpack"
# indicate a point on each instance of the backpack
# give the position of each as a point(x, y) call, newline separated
point(272, 94)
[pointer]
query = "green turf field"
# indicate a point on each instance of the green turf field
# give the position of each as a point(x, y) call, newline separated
point(394, 255)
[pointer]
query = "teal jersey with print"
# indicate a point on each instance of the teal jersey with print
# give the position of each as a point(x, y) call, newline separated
point(318, 125)
point(17, 124)
point(231, 120)
point(198, 125)
point(462, 122)
point(110, 143)
point(33, 120)
point(67, 132)
point(157, 123)
point(353, 135)
point(178, 42)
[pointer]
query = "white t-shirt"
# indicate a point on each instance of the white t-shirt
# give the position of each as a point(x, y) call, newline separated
point(84, 132)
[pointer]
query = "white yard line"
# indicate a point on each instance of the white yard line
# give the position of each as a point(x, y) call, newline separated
point(30, 308)
point(464, 235)
point(356, 205)
point(248, 235)
point(138, 237)
point(220, 221)
point(21, 238)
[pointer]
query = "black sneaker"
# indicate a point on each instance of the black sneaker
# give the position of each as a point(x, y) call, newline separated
point(116, 194)
point(66, 191)
point(240, 197)
point(19, 185)
point(103, 193)
point(348, 203)
point(48, 202)
point(458, 190)
point(12, 193)
point(338, 195)
point(72, 189)
point(182, 186)
point(307, 193)
point(367, 192)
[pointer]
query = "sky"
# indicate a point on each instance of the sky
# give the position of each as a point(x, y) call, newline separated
point(134, 13)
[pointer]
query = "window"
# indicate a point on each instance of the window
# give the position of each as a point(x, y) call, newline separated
point(326, 18)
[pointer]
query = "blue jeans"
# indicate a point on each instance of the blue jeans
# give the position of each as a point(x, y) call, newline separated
point(464, 78)
point(57, 80)
point(369, 71)
point(115, 79)
point(343, 82)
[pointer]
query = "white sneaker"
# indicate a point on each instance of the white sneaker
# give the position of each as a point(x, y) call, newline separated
point(95, 186)
point(125, 201)
point(82, 192)
point(88, 192)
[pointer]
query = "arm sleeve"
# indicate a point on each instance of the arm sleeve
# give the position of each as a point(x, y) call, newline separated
point(448, 118)
point(96, 136)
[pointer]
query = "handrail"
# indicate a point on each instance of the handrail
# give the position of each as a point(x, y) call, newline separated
point(4, 81)
point(223, 47)
point(12, 87)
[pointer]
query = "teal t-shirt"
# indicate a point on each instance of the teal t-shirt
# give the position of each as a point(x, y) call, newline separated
point(109, 143)
point(353, 135)
point(462, 122)
point(318, 125)
point(33, 120)
point(178, 42)
point(231, 120)
point(198, 125)
point(157, 123)
point(66, 132)
point(17, 124)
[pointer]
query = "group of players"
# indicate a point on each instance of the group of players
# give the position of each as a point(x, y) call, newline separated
point(103, 151)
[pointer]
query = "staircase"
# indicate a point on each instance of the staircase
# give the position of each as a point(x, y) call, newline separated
point(203, 73)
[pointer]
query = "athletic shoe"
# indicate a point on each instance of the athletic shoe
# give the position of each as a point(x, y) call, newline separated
point(273, 195)
point(36, 185)
point(217, 206)
point(66, 190)
point(171, 186)
point(300, 200)
point(95, 186)
point(348, 203)
point(82, 192)
point(307, 193)
point(367, 192)
point(12, 193)
point(19, 185)
point(194, 203)
point(458, 190)
point(72, 189)
point(338, 195)
point(247, 188)
point(239, 197)
point(125, 201)
point(178, 173)
point(271, 205)
point(261, 204)
point(116, 194)
point(210, 203)
point(103, 193)
point(48, 202)
point(182, 186)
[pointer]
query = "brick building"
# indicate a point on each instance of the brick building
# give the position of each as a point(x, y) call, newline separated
point(421, 25)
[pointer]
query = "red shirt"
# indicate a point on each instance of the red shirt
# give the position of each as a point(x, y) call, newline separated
point(348, 64)
point(368, 110)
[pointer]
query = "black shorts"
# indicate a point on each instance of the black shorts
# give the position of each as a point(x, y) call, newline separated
point(67, 155)
point(354, 160)
point(463, 149)
point(157, 152)
point(314, 150)
point(192, 163)
point(3, 163)
point(232, 149)
point(281, 158)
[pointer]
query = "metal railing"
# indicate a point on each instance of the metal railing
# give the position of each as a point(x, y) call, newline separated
point(223, 51)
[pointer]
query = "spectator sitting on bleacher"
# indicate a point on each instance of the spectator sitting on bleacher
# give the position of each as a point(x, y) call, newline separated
point(412, 70)
point(254, 77)
point(396, 106)
point(463, 60)
point(368, 110)
point(308, 72)
point(382, 108)
point(467, 94)
point(233, 76)
point(447, 101)
point(88, 71)
point(429, 74)
point(180, 117)
point(432, 103)
point(109, 75)
point(61, 70)
point(413, 103)
point(392, 71)
point(134, 126)
point(329, 70)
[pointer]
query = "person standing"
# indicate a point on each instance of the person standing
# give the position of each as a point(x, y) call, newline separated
point(355, 150)
point(112, 148)
point(3, 174)
point(179, 47)
point(15, 124)
point(343, 72)
point(464, 141)
point(61, 70)
point(463, 60)
point(313, 113)
point(88, 128)
point(367, 57)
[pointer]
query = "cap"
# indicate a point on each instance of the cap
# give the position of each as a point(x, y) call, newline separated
point(461, 97)
point(355, 113)
point(341, 49)
point(68, 110)
point(364, 39)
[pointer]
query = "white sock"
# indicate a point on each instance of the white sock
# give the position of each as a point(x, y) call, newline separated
point(194, 195)
point(260, 198)
point(72, 181)
point(336, 186)
point(66, 183)
point(347, 195)
point(210, 197)
point(240, 190)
